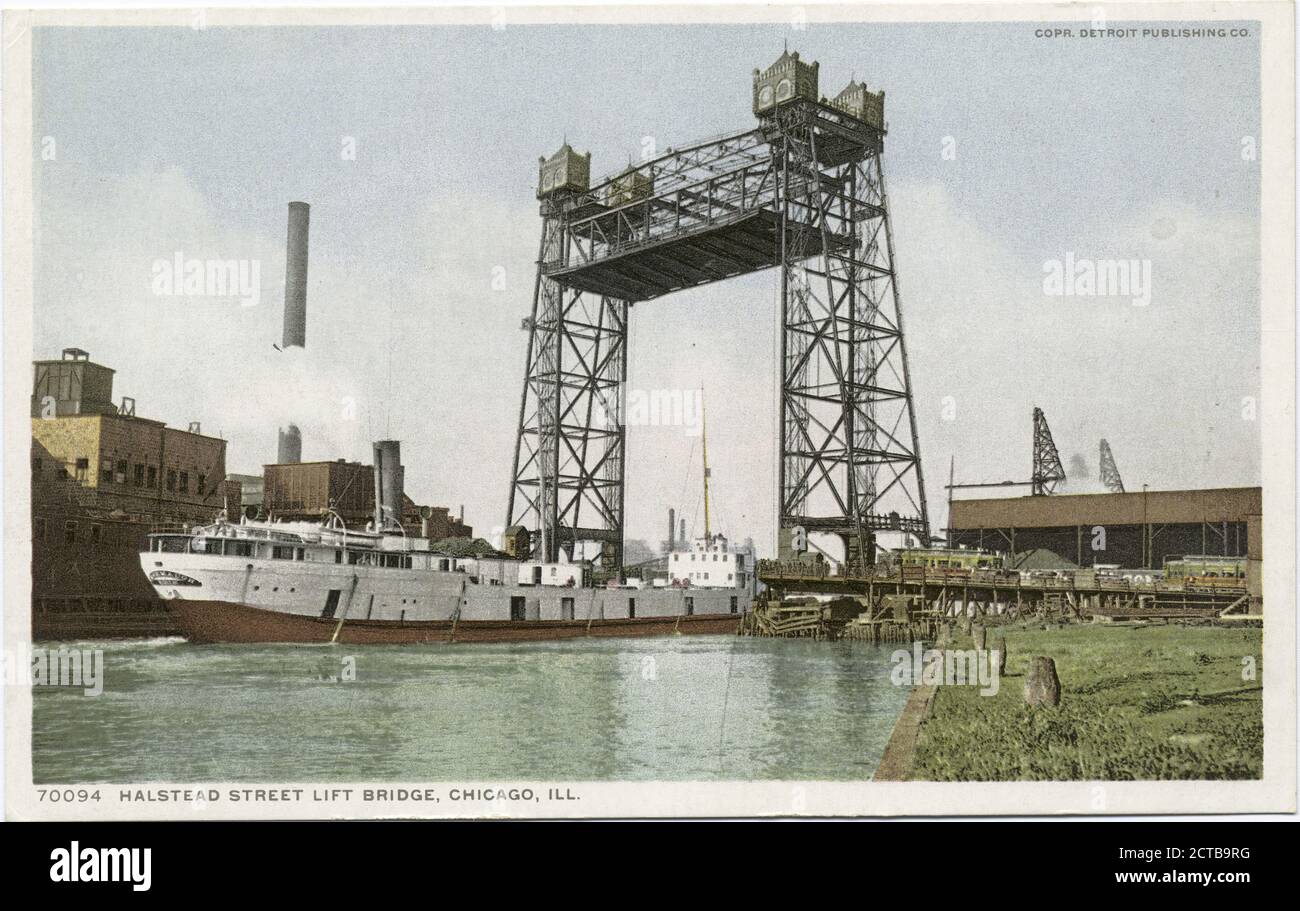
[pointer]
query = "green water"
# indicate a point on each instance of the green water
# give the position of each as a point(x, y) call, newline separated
point(673, 708)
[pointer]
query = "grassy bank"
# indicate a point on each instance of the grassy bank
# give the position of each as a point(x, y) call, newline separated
point(1138, 703)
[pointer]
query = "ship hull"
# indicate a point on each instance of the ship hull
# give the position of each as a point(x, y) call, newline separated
point(227, 621)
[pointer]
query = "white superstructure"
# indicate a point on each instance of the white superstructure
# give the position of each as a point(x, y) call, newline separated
point(710, 563)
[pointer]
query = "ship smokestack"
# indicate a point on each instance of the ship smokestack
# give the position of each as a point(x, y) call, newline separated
point(289, 451)
point(388, 484)
point(295, 277)
point(672, 529)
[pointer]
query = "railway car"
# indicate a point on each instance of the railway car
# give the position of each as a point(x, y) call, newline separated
point(1207, 573)
point(957, 563)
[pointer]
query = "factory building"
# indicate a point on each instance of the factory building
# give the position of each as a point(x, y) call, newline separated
point(1131, 530)
point(303, 491)
point(137, 466)
point(102, 479)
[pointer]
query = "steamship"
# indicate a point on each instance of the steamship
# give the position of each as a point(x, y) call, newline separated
point(256, 581)
point(303, 581)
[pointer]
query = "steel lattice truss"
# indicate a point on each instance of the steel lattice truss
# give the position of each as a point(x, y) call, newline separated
point(1109, 472)
point(1047, 471)
point(571, 428)
point(850, 462)
point(804, 192)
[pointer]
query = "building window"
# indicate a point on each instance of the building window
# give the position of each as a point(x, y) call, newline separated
point(185, 482)
point(69, 532)
point(121, 472)
point(203, 484)
point(83, 469)
point(631, 608)
point(139, 475)
point(690, 607)
point(106, 470)
point(95, 534)
point(153, 478)
point(733, 604)
point(171, 478)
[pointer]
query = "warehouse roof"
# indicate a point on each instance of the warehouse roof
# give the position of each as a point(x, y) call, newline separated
point(1220, 504)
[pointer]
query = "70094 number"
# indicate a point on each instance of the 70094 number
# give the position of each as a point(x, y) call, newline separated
point(68, 795)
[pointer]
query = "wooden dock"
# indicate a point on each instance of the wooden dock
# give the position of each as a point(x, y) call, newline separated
point(911, 604)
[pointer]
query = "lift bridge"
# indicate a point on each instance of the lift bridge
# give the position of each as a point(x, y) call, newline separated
point(802, 191)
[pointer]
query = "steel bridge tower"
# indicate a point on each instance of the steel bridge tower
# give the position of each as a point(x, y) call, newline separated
point(804, 192)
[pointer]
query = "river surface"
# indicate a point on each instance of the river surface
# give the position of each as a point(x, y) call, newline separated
point(672, 708)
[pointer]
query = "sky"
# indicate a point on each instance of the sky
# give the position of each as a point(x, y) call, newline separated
point(417, 149)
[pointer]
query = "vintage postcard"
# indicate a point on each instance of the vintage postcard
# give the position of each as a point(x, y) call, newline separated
point(649, 411)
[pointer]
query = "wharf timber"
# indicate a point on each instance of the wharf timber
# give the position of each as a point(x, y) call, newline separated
point(1084, 596)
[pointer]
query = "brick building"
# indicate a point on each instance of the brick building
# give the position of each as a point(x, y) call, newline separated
point(304, 490)
point(102, 478)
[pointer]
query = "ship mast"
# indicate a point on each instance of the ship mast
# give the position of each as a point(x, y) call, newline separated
point(704, 448)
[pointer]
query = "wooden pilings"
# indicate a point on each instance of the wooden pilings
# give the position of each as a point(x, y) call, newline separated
point(821, 622)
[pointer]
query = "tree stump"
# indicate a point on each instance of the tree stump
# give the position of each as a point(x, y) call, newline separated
point(1002, 656)
point(1042, 686)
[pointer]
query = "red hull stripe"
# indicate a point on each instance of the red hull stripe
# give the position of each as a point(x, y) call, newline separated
point(225, 621)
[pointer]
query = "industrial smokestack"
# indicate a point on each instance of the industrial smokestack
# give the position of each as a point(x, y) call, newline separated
point(682, 536)
point(672, 529)
point(289, 452)
point(388, 484)
point(295, 277)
